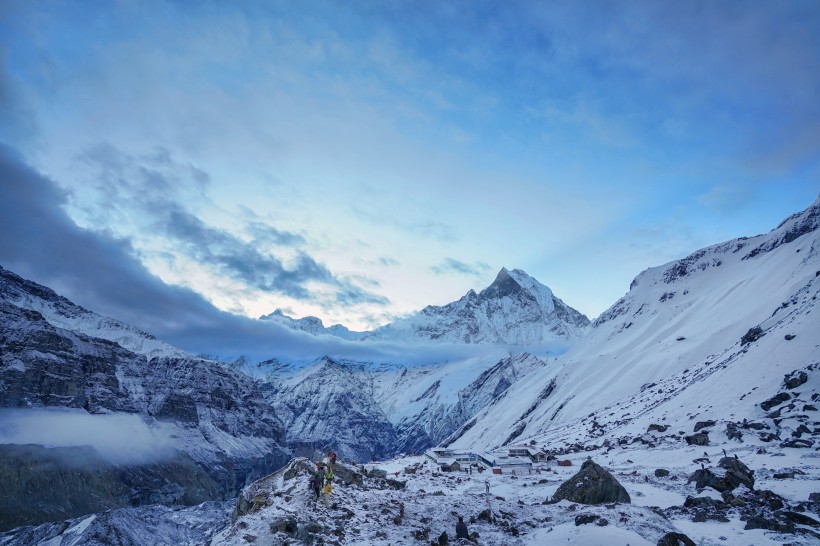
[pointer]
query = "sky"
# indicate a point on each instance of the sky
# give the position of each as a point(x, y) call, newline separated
point(166, 163)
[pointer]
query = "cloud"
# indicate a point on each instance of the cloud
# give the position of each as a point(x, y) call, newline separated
point(431, 229)
point(154, 192)
point(118, 438)
point(451, 265)
point(727, 197)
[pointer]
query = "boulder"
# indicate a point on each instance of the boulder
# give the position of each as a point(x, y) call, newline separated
point(592, 485)
point(661, 472)
point(675, 539)
point(698, 439)
point(752, 335)
point(658, 428)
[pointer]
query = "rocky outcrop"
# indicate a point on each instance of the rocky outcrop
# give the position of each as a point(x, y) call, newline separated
point(217, 420)
point(731, 473)
point(592, 485)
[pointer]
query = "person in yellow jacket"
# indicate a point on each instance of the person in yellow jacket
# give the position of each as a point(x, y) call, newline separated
point(328, 484)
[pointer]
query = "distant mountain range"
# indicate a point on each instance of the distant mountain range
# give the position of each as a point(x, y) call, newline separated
point(515, 309)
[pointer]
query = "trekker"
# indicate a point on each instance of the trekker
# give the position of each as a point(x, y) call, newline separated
point(461, 529)
point(328, 477)
point(318, 480)
point(330, 460)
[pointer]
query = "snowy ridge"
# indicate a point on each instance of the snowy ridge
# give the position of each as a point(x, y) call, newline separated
point(673, 349)
point(62, 313)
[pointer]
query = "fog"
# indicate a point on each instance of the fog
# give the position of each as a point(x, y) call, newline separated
point(122, 439)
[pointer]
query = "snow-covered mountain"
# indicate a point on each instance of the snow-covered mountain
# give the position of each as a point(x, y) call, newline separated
point(514, 310)
point(366, 411)
point(65, 314)
point(196, 429)
point(312, 325)
point(706, 338)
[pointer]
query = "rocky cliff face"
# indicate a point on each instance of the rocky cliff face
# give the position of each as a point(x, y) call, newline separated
point(208, 416)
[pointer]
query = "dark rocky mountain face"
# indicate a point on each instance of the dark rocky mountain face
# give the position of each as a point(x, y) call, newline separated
point(221, 432)
point(330, 407)
point(337, 405)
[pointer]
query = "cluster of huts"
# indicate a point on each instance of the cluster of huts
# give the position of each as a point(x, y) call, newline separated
point(512, 459)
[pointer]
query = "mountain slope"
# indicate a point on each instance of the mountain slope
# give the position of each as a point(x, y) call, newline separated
point(681, 345)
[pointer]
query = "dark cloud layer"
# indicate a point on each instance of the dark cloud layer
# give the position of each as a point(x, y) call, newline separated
point(40, 242)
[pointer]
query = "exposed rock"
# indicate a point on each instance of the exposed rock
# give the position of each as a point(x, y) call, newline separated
point(583, 519)
point(703, 424)
point(771, 524)
point(752, 335)
point(801, 519)
point(675, 539)
point(661, 472)
point(797, 443)
point(733, 432)
point(698, 439)
point(734, 473)
point(659, 428)
point(485, 515)
point(775, 400)
point(592, 485)
point(795, 379)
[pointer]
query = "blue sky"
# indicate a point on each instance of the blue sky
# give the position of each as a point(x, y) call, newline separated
point(360, 160)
